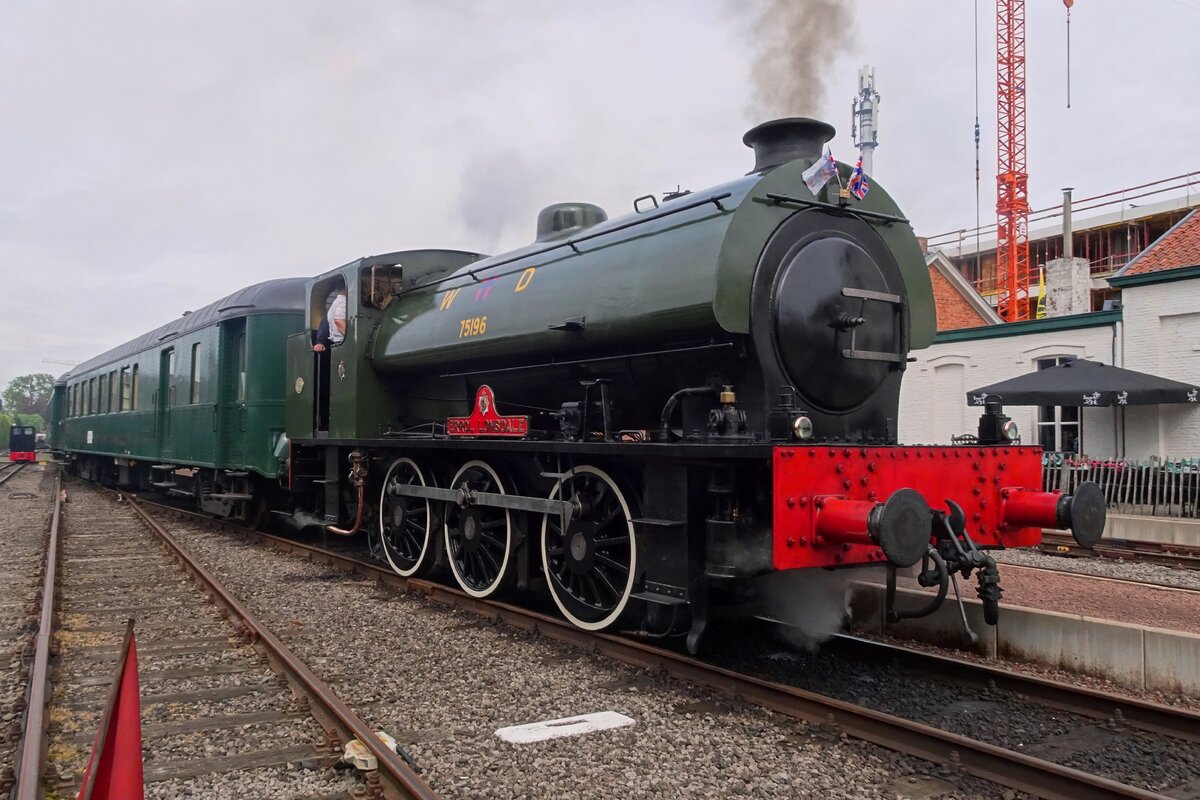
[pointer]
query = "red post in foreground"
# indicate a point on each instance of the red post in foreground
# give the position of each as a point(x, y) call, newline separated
point(114, 771)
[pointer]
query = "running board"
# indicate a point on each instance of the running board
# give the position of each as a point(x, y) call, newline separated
point(660, 599)
point(229, 496)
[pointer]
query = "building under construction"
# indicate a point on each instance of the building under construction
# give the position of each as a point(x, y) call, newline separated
point(1106, 231)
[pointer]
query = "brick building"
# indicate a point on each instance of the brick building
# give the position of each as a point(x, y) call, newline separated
point(957, 303)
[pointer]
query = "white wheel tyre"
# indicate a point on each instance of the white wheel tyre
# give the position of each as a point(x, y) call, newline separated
point(405, 522)
point(479, 538)
point(591, 567)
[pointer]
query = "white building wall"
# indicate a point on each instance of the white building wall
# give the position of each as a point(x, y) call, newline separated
point(1161, 335)
point(933, 404)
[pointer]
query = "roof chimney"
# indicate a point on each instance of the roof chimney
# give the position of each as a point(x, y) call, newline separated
point(781, 140)
point(1067, 242)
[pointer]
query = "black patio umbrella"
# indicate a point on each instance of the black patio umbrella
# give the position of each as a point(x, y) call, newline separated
point(1086, 383)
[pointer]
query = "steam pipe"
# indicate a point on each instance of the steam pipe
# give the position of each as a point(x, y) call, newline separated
point(358, 516)
point(358, 477)
point(664, 430)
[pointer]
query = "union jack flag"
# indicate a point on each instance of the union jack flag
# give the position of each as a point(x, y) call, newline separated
point(858, 182)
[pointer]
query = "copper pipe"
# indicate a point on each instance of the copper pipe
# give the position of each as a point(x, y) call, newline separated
point(358, 517)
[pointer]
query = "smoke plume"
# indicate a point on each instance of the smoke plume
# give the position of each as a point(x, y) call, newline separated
point(795, 43)
point(496, 196)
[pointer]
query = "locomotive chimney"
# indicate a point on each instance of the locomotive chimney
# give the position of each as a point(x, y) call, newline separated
point(781, 140)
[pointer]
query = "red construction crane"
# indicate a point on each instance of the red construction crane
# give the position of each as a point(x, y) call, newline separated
point(1013, 279)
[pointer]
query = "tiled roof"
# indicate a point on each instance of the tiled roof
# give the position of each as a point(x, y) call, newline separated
point(1177, 248)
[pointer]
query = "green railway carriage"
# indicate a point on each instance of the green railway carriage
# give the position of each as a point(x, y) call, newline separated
point(194, 407)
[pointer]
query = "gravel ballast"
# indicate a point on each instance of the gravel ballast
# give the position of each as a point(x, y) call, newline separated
point(26, 502)
point(1146, 760)
point(442, 681)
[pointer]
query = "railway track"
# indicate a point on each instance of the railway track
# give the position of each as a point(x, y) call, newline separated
point(1177, 556)
point(227, 709)
point(24, 505)
point(1106, 707)
point(1074, 573)
point(9, 469)
point(1007, 767)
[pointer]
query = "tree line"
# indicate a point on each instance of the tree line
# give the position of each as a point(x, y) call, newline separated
point(26, 401)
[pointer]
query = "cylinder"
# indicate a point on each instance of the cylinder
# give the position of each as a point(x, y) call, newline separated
point(845, 520)
point(900, 527)
point(1024, 509)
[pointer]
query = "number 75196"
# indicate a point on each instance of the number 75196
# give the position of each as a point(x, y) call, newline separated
point(473, 326)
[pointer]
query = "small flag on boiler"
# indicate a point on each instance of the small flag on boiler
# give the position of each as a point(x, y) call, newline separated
point(858, 182)
point(820, 172)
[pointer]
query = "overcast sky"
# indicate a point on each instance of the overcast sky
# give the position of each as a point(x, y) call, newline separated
point(155, 155)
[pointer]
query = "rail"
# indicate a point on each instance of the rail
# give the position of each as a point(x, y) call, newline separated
point(398, 779)
point(32, 747)
point(1175, 556)
point(990, 762)
point(7, 471)
point(1179, 723)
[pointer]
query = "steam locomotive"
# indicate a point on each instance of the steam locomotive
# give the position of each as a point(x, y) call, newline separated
point(638, 416)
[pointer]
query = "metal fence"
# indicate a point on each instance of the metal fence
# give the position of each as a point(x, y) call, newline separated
point(1166, 487)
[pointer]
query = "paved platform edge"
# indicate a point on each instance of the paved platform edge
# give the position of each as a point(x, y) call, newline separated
point(1130, 655)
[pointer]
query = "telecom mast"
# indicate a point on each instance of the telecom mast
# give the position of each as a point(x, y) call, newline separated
point(1012, 181)
point(864, 119)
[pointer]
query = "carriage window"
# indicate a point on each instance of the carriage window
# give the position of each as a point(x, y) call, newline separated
point(194, 392)
point(102, 398)
point(241, 356)
point(70, 401)
point(112, 391)
point(88, 391)
point(124, 389)
point(133, 397)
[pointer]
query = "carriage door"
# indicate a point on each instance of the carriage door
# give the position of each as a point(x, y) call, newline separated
point(233, 393)
point(165, 400)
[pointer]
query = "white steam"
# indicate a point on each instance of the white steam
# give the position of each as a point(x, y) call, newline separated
point(811, 604)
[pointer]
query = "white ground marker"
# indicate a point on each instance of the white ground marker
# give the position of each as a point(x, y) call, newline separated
point(567, 726)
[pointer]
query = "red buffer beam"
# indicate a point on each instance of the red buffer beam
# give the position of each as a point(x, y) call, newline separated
point(1012, 181)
